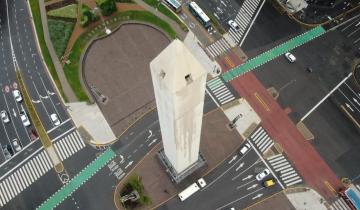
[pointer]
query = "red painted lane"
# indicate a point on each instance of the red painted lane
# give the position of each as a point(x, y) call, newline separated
point(300, 152)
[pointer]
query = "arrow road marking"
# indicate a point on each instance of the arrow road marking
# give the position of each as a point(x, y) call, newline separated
point(14, 113)
point(122, 159)
point(349, 107)
point(129, 164)
point(240, 166)
point(252, 186)
point(152, 142)
point(248, 177)
point(150, 134)
point(235, 177)
point(356, 101)
point(238, 187)
point(233, 159)
point(257, 196)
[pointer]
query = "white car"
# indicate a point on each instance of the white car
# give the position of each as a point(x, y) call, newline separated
point(4, 116)
point(262, 174)
point(55, 119)
point(16, 145)
point(25, 120)
point(290, 57)
point(244, 149)
point(233, 25)
point(202, 182)
point(17, 95)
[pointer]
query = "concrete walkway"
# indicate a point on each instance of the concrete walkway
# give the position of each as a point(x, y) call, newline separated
point(69, 93)
point(181, 34)
point(306, 198)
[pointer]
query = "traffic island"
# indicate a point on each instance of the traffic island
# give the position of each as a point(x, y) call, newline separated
point(217, 143)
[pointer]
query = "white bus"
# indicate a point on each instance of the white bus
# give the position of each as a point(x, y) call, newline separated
point(199, 14)
point(174, 4)
point(188, 191)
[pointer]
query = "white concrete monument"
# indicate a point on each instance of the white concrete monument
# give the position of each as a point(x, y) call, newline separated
point(179, 83)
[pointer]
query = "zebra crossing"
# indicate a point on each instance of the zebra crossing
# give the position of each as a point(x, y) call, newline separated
point(261, 139)
point(244, 18)
point(281, 165)
point(339, 204)
point(69, 145)
point(219, 90)
point(24, 176)
point(219, 47)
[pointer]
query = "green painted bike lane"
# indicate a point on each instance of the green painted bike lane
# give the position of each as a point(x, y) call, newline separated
point(77, 181)
point(273, 53)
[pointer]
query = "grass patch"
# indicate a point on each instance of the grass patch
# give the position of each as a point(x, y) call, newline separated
point(72, 70)
point(166, 11)
point(35, 9)
point(60, 32)
point(69, 11)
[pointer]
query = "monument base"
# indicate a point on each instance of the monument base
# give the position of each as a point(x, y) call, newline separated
point(174, 175)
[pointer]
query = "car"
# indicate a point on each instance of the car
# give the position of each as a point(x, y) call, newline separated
point(202, 182)
point(55, 119)
point(290, 57)
point(4, 116)
point(7, 151)
point(262, 174)
point(244, 149)
point(233, 25)
point(33, 135)
point(269, 182)
point(17, 95)
point(16, 144)
point(24, 119)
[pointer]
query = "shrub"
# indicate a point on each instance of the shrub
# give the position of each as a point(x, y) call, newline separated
point(60, 32)
point(87, 15)
point(107, 6)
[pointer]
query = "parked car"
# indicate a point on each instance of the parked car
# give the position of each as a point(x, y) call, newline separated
point(33, 135)
point(7, 151)
point(290, 57)
point(269, 182)
point(17, 95)
point(233, 25)
point(4, 116)
point(24, 118)
point(55, 119)
point(202, 182)
point(16, 144)
point(244, 149)
point(262, 174)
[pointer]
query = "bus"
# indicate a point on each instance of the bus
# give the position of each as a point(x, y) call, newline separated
point(174, 4)
point(188, 191)
point(199, 14)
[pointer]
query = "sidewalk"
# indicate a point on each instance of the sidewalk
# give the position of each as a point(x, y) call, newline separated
point(305, 198)
point(70, 95)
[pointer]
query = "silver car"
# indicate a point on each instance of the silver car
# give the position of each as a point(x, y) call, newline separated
point(16, 145)
point(290, 57)
point(24, 119)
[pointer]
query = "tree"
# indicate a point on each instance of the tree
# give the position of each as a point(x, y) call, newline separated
point(87, 15)
point(107, 6)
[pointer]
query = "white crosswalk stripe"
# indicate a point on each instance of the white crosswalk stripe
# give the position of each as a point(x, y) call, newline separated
point(219, 47)
point(218, 89)
point(244, 18)
point(287, 173)
point(24, 176)
point(261, 139)
point(69, 145)
point(340, 204)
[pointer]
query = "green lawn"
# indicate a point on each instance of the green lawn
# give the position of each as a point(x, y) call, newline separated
point(69, 11)
point(72, 70)
point(34, 4)
point(163, 9)
point(60, 32)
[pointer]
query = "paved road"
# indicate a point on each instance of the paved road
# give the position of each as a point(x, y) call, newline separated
point(232, 184)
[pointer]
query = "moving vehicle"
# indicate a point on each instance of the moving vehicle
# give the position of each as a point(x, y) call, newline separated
point(233, 25)
point(290, 57)
point(201, 182)
point(244, 149)
point(24, 119)
point(55, 119)
point(269, 182)
point(16, 145)
point(17, 95)
point(188, 191)
point(174, 5)
point(200, 15)
point(7, 151)
point(262, 174)
point(4, 116)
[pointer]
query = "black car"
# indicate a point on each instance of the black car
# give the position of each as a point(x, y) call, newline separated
point(8, 152)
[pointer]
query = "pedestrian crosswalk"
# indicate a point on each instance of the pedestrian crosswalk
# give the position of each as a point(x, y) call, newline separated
point(24, 176)
point(219, 47)
point(287, 173)
point(69, 145)
point(220, 91)
point(340, 204)
point(244, 18)
point(261, 139)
